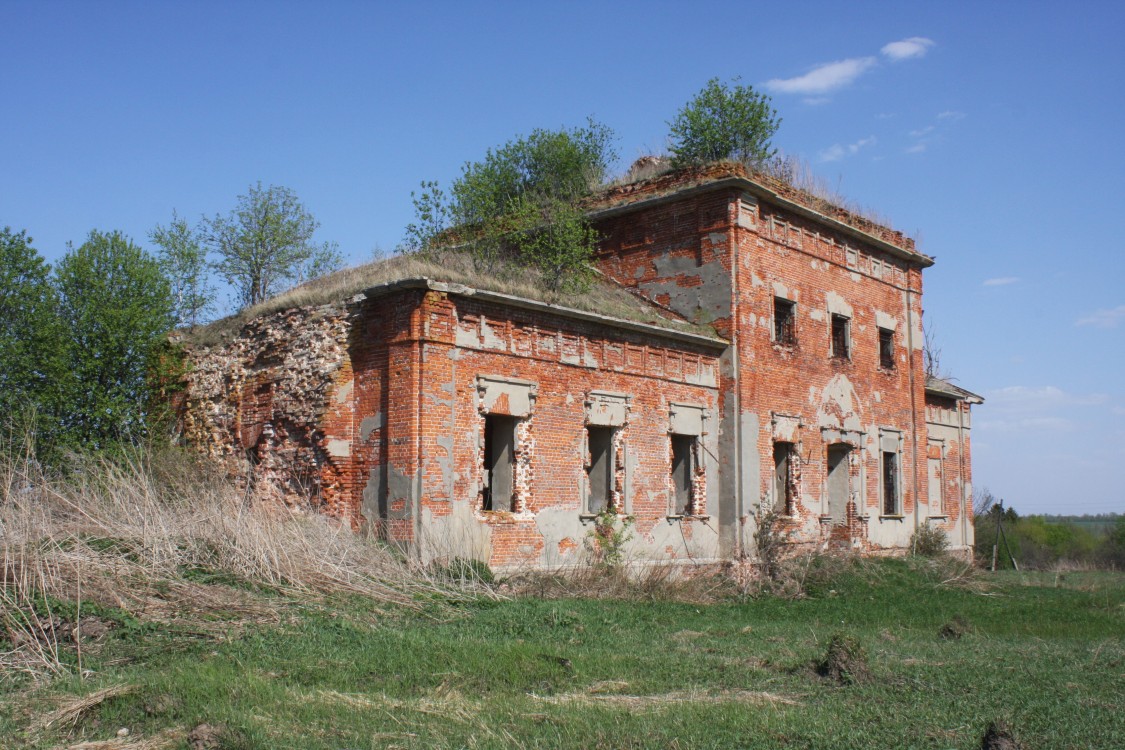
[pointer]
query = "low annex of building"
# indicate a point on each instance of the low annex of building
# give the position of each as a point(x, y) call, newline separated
point(763, 352)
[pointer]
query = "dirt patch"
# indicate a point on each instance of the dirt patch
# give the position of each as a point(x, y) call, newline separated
point(845, 661)
point(205, 737)
point(999, 736)
point(955, 629)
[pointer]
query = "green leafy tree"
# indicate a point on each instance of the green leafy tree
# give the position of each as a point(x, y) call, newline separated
point(266, 242)
point(183, 258)
point(555, 237)
point(31, 336)
point(116, 306)
point(548, 165)
point(724, 122)
point(519, 204)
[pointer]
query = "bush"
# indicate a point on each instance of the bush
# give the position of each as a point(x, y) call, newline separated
point(929, 541)
point(468, 569)
point(519, 205)
point(607, 540)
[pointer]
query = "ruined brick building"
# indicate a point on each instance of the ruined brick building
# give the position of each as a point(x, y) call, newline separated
point(748, 347)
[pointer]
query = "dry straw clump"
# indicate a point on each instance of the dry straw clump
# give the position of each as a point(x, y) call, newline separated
point(151, 533)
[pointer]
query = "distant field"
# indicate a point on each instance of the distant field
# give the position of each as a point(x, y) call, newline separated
point(1043, 653)
point(1095, 525)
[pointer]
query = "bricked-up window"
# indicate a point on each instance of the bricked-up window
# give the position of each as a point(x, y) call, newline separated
point(886, 348)
point(934, 484)
point(784, 456)
point(890, 484)
point(784, 321)
point(499, 462)
point(683, 471)
point(840, 348)
point(599, 469)
point(839, 482)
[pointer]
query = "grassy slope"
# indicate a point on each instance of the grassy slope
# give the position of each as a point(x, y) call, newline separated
point(554, 673)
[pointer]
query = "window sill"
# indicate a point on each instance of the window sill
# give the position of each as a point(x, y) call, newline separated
point(586, 517)
point(892, 517)
point(688, 516)
point(942, 517)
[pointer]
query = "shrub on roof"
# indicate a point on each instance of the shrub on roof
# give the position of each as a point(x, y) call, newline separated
point(518, 205)
point(724, 122)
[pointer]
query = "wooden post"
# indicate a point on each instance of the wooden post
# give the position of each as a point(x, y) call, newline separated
point(999, 509)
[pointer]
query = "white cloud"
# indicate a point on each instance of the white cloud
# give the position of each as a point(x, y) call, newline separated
point(922, 131)
point(1104, 318)
point(1036, 410)
point(1001, 281)
point(1042, 397)
point(906, 49)
point(824, 78)
point(951, 115)
point(917, 148)
point(836, 151)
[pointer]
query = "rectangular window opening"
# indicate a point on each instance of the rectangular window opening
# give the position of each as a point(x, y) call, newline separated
point(600, 469)
point(784, 454)
point(890, 484)
point(840, 337)
point(683, 472)
point(784, 321)
point(499, 462)
point(886, 348)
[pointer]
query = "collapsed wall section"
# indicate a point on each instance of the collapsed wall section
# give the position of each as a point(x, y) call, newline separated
point(259, 400)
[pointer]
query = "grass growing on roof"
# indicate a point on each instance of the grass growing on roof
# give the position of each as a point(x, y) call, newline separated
point(602, 297)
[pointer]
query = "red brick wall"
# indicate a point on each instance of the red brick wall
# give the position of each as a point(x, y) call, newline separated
point(769, 251)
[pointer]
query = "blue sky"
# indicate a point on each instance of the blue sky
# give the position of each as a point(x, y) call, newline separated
point(989, 131)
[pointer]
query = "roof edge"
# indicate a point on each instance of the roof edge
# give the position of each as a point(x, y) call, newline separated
point(426, 283)
point(762, 191)
point(942, 387)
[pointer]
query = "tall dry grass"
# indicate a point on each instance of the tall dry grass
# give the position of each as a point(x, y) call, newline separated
point(148, 532)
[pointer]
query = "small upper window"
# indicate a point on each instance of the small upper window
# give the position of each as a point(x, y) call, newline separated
point(886, 348)
point(840, 336)
point(784, 321)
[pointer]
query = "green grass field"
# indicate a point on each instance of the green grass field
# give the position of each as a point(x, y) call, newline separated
point(1043, 653)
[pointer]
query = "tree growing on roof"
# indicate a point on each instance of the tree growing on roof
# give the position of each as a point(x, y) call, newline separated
point(267, 242)
point(519, 204)
point(724, 122)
